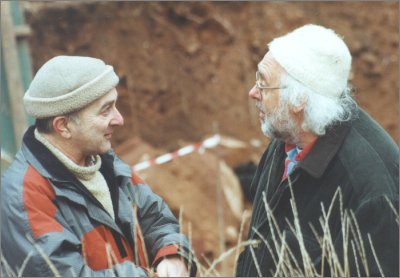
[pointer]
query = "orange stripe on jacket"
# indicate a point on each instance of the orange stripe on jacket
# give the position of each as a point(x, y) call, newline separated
point(97, 254)
point(136, 179)
point(165, 251)
point(38, 197)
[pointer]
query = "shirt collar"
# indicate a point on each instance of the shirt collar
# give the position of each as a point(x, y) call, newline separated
point(301, 153)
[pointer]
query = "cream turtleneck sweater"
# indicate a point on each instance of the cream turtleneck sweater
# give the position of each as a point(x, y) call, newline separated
point(90, 176)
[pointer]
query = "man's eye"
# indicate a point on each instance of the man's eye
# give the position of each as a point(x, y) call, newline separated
point(262, 84)
point(106, 111)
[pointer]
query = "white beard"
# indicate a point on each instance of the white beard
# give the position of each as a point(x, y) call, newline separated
point(279, 124)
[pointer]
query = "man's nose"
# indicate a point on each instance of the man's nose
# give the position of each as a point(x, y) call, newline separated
point(117, 120)
point(254, 93)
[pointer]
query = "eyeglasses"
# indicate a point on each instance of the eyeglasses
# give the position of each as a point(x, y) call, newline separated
point(263, 88)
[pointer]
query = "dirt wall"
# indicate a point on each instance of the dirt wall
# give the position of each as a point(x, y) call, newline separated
point(187, 67)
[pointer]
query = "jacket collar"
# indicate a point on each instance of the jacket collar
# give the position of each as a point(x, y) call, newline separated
point(50, 167)
point(324, 149)
point(43, 160)
point(68, 186)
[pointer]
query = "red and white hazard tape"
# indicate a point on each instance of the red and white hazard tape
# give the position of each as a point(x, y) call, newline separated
point(206, 144)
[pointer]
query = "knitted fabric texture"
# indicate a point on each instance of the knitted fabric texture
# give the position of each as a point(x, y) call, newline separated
point(315, 56)
point(90, 176)
point(66, 84)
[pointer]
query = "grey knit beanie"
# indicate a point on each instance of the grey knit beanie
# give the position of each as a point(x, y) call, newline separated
point(66, 84)
point(315, 56)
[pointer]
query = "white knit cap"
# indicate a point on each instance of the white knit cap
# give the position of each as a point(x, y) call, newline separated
point(315, 56)
point(66, 84)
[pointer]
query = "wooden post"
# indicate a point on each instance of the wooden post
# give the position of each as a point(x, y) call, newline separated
point(13, 72)
point(220, 206)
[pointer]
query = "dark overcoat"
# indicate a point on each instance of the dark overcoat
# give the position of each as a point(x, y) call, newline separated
point(362, 160)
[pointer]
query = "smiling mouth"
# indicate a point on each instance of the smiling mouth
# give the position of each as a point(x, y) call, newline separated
point(108, 136)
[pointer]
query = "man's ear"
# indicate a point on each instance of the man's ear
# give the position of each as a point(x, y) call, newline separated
point(60, 125)
point(299, 108)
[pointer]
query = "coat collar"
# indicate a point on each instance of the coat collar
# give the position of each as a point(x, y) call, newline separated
point(324, 149)
point(50, 167)
point(66, 185)
point(43, 160)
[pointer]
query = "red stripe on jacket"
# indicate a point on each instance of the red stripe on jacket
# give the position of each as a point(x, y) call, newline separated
point(165, 251)
point(136, 179)
point(38, 197)
point(100, 250)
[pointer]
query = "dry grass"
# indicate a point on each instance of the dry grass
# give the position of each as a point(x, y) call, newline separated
point(289, 266)
point(286, 264)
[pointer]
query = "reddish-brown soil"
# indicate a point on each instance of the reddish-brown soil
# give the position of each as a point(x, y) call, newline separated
point(186, 68)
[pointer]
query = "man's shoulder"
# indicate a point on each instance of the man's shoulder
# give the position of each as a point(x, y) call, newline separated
point(371, 130)
point(367, 139)
point(370, 158)
point(16, 170)
point(20, 180)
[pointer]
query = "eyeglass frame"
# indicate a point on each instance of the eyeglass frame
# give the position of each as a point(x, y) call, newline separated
point(262, 88)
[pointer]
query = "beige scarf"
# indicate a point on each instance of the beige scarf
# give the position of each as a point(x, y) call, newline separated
point(90, 176)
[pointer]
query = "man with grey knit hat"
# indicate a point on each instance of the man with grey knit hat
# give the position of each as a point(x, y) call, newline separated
point(69, 205)
point(325, 193)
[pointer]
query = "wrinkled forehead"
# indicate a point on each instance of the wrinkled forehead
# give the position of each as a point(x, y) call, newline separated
point(269, 67)
point(110, 97)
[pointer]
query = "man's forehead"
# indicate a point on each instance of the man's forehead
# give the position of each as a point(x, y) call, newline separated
point(269, 67)
point(110, 97)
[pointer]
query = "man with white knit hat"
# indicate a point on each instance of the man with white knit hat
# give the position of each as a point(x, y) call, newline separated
point(328, 169)
point(69, 205)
